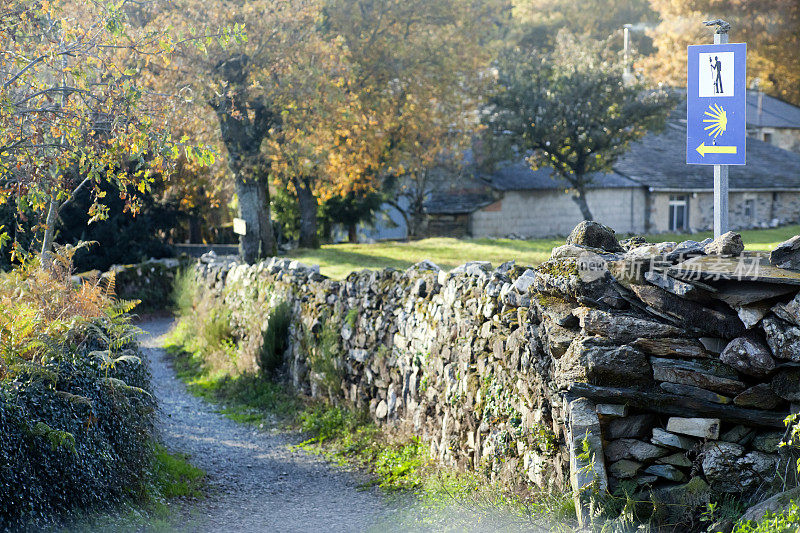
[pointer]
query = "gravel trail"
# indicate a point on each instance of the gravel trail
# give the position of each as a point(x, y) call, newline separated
point(257, 483)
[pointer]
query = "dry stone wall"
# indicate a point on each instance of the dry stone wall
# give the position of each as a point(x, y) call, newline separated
point(149, 282)
point(666, 369)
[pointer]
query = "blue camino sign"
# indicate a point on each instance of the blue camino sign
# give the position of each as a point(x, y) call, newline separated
point(716, 99)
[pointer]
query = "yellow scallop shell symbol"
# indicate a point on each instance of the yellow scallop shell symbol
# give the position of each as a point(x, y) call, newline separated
point(718, 121)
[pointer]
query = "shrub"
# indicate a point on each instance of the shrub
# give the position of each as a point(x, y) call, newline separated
point(76, 411)
point(323, 351)
point(184, 292)
point(205, 328)
point(122, 238)
point(150, 283)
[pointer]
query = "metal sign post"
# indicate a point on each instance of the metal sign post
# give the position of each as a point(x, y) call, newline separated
point(720, 174)
point(716, 100)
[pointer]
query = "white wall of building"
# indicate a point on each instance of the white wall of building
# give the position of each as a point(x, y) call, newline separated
point(533, 214)
point(757, 209)
point(786, 138)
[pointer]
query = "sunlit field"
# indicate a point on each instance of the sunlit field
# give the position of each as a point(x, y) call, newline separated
point(338, 260)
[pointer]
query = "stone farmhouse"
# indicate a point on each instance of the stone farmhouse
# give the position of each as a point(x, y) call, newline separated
point(773, 121)
point(651, 189)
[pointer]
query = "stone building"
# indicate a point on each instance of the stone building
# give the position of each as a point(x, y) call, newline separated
point(773, 121)
point(679, 197)
point(651, 189)
point(514, 200)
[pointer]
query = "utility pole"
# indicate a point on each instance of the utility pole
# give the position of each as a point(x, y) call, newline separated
point(627, 76)
point(720, 171)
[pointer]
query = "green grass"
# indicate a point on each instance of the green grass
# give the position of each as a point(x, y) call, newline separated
point(349, 437)
point(338, 260)
point(754, 239)
point(245, 398)
point(176, 477)
point(786, 521)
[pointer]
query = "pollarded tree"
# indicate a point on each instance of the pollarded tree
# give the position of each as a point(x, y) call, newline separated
point(569, 109)
point(72, 115)
point(240, 86)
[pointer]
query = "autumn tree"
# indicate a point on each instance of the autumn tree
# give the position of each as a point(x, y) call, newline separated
point(771, 29)
point(312, 154)
point(570, 110)
point(536, 23)
point(238, 86)
point(72, 115)
point(201, 196)
point(419, 70)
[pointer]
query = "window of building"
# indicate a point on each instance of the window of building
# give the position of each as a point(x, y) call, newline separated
point(678, 212)
point(768, 138)
point(749, 209)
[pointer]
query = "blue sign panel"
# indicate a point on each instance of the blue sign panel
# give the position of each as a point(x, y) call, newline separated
point(716, 101)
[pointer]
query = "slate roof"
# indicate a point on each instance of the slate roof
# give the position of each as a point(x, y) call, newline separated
point(658, 161)
point(775, 113)
point(518, 176)
point(457, 202)
point(476, 192)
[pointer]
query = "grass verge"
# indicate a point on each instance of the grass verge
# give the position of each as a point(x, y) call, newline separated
point(174, 476)
point(398, 464)
point(338, 260)
point(173, 480)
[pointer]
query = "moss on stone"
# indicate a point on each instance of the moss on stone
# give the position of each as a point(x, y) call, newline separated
point(564, 267)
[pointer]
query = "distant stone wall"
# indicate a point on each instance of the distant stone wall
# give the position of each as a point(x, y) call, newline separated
point(150, 282)
point(665, 369)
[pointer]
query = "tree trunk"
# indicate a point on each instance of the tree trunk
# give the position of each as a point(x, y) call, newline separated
point(327, 230)
point(49, 232)
point(352, 233)
point(258, 241)
point(580, 198)
point(195, 229)
point(308, 212)
point(244, 122)
point(416, 224)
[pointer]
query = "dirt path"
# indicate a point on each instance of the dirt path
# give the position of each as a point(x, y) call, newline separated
point(257, 483)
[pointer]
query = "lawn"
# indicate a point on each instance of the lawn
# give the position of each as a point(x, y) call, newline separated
point(338, 260)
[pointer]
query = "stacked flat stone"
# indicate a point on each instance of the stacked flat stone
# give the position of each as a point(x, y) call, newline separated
point(674, 364)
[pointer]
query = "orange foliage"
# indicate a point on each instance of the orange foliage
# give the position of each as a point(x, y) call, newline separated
point(771, 28)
